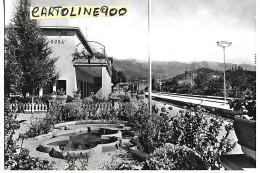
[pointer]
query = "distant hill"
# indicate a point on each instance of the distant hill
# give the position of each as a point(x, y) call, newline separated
point(134, 69)
point(186, 78)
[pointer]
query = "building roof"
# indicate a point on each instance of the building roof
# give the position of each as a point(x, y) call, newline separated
point(66, 28)
point(69, 28)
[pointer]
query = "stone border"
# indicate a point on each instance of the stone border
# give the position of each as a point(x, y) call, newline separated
point(60, 136)
point(73, 125)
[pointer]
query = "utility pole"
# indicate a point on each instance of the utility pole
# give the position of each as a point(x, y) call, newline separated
point(149, 61)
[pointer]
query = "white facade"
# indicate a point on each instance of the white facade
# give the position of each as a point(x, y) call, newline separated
point(87, 76)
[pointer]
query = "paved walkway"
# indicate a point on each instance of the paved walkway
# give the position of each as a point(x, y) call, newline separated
point(25, 120)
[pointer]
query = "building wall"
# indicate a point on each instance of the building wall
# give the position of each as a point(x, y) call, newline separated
point(63, 46)
point(142, 85)
point(106, 82)
point(64, 43)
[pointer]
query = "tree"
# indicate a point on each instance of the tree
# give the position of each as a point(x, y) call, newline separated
point(13, 73)
point(153, 84)
point(28, 48)
point(241, 80)
point(121, 76)
point(118, 76)
point(114, 76)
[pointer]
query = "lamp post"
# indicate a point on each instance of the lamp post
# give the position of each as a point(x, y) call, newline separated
point(224, 44)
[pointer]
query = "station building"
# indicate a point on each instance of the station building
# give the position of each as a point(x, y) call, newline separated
point(88, 76)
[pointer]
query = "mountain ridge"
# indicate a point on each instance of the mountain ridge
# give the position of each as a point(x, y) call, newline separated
point(137, 70)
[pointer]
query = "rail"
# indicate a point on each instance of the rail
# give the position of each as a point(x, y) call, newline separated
point(27, 107)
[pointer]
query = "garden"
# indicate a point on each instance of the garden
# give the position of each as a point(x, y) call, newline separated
point(114, 133)
point(192, 139)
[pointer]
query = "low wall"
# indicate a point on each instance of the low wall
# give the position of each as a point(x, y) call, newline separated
point(61, 136)
point(73, 125)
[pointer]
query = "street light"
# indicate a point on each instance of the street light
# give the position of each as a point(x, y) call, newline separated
point(224, 44)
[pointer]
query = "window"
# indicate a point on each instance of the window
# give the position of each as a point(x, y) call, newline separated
point(61, 86)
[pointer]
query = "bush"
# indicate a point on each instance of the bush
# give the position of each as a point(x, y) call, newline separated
point(70, 112)
point(87, 100)
point(127, 111)
point(23, 161)
point(40, 126)
point(170, 157)
point(195, 129)
point(12, 159)
point(10, 125)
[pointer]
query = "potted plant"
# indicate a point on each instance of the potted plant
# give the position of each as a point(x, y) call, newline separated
point(125, 88)
point(134, 94)
point(245, 123)
point(114, 97)
point(121, 95)
point(61, 97)
point(91, 94)
point(77, 94)
point(140, 95)
point(127, 96)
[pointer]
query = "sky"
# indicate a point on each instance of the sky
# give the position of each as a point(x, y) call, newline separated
point(181, 30)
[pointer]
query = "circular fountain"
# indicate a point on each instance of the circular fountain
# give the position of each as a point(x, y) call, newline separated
point(72, 139)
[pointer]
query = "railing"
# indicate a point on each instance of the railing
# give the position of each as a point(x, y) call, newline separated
point(102, 106)
point(43, 107)
point(94, 61)
point(27, 107)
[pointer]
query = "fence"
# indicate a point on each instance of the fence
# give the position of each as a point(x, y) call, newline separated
point(43, 107)
point(27, 107)
point(103, 106)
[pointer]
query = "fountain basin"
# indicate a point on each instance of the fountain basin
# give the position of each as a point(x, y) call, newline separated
point(84, 139)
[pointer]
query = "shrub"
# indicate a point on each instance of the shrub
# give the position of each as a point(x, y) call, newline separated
point(195, 129)
point(245, 105)
point(11, 124)
point(70, 112)
point(170, 157)
point(12, 159)
point(127, 111)
point(77, 164)
point(87, 100)
point(24, 161)
point(40, 126)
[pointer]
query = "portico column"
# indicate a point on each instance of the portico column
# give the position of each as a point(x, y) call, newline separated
point(41, 92)
point(54, 88)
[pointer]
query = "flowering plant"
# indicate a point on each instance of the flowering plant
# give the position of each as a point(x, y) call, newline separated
point(60, 92)
point(245, 105)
